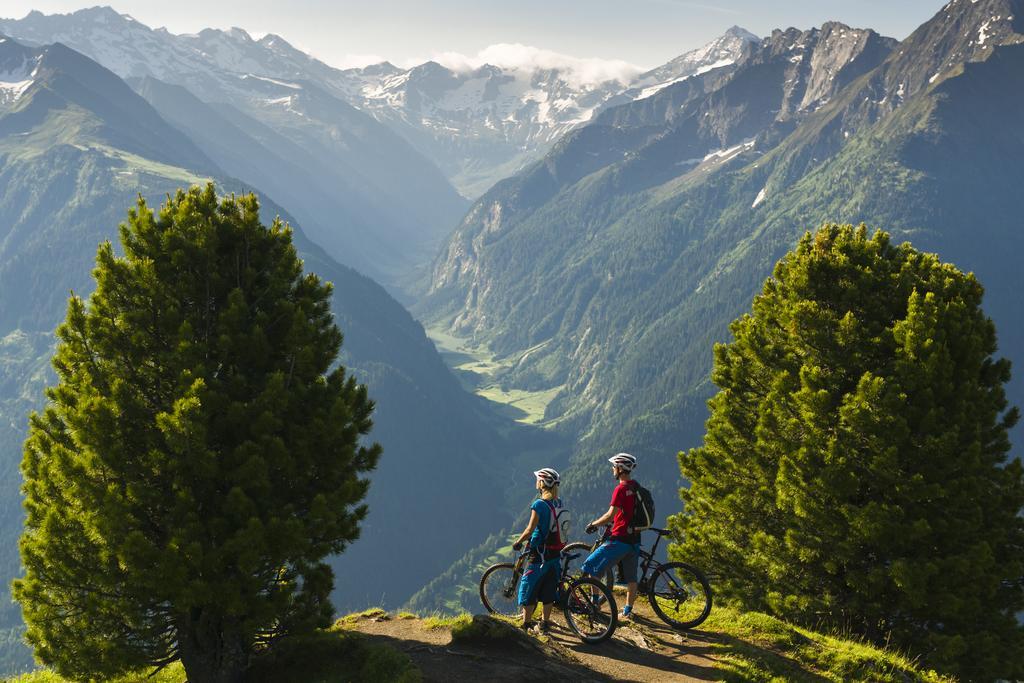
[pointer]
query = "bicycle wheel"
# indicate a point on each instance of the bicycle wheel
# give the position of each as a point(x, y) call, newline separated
point(680, 595)
point(499, 588)
point(589, 616)
point(578, 547)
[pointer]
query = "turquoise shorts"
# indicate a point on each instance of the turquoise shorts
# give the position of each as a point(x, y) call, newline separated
point(608, 554)
point(539, 583)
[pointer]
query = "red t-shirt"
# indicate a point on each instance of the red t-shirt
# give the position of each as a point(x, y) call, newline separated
point(624, 498)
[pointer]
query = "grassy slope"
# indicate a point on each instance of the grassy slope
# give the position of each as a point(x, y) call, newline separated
point(758, 647)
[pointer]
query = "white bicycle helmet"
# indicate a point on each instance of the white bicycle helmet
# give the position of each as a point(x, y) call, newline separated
point(548, 477)
point(623, 460)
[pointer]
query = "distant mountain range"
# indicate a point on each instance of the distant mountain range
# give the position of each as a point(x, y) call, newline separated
point(481, 125)
point(608, 270)
point(272, 116)
point(478, 125)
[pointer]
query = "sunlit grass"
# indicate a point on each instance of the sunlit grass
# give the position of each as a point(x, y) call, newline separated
point(751, 646)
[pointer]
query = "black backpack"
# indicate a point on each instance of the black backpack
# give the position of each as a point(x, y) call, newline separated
point(643, 509)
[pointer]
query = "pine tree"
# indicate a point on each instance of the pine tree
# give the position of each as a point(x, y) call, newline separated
point(199, 456)
point(855, 466)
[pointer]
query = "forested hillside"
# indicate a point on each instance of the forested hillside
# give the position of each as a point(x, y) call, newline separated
point(660, 220)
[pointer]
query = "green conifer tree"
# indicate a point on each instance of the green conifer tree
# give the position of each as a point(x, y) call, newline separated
point(199, 457)
point(854, 470)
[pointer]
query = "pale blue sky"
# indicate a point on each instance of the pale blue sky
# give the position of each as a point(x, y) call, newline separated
point(641, 32)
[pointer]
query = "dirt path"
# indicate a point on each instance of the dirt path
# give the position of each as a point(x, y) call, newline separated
point(644, 650)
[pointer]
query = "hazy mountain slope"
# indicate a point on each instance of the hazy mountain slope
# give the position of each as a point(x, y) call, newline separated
point(303, 175)
point(390, 207)
point(486, 123)
point(65, 184)
point(623, 273)
point(82, 113)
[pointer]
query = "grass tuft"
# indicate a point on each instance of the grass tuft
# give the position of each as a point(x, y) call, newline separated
point(452, 623)
point(349, 620)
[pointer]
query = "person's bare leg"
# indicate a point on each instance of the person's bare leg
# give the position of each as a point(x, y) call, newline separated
point(547, 611)
point(631, 594)
point(528, 611)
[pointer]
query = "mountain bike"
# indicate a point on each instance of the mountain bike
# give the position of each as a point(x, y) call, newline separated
point(588, 604)
point(679, 593)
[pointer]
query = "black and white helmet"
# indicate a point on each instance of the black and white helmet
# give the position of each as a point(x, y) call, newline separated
point(623, 460)
point(548, 477)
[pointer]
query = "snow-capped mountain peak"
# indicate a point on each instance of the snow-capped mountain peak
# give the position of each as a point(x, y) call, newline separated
point(722, 51)
point(514, 100)
point(479, 119)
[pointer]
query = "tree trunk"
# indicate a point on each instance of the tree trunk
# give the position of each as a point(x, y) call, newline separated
point(212, 649)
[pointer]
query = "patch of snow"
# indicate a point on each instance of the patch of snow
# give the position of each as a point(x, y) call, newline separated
point(283, 84)
point(14, 82)
point(982, 36)
point(12, 90)
point(647, 92)
point(760, 197)
point(724, 154)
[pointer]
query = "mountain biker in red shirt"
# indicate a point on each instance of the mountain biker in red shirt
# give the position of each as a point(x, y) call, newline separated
point(623, 542)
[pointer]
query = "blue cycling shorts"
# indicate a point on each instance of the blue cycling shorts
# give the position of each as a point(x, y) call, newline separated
point(608, 554)
point(539, 583)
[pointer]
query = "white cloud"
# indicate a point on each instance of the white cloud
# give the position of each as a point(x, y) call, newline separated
point(526, 58)
point(351, 61)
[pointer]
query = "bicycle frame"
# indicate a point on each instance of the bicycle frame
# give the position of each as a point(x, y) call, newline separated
point(648, 564)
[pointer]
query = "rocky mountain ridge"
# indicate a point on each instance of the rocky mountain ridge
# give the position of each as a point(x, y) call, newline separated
point(510, 116)
point(477, 124)
point(689, 127)
point(379, 205)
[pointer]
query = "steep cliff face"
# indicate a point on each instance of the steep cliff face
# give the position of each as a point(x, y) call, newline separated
point(687, 127)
